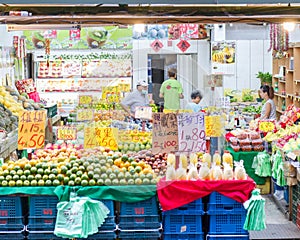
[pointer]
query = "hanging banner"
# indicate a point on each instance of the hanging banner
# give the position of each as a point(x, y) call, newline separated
point(85, 115)
point(31, 131)
point(191, 132)
point(165, 133)
point(213, 126)
point(66, 133)
point(90, 140)
point(107, 137)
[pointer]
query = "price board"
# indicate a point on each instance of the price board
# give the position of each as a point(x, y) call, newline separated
point(165, 133)
point(213, 126)
point(107, 137)
point(143, 113)
point(31, 131)
point(191, 132)
point(66, 133)
point(266, 126)
point(90, 140)
point(85, 99)
point(85, 115)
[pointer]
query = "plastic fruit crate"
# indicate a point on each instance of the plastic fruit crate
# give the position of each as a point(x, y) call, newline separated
point(183, 236)
point(218, 202)
point(11, 214)
point(103, 235)
point(146, 207)
point(42, 236)
point(139, 222)
point(182, 223)
point(143, 234)
point(227, 224)
point(12, 236)
point(193, 208)
point(42, 213)
point(226, 237)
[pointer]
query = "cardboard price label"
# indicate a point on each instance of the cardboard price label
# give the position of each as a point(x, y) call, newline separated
point(213, 126)
point(107, 137)
point(266, 126)
point(31, 131)
point(90, 140)
point(143, 112)
point(85, 99)
point(85, 115)
point(66, 133)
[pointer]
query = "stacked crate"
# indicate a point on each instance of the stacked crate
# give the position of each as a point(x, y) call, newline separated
point(226, 218)
point(184, 222)
point(139, 220)
point(295, 201)
point(11, 218)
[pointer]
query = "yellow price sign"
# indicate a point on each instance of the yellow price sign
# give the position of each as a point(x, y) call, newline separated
point(107, 137)
point(90, 140)
point(31, 130)
point(66, 133)
point(85, 115)
point(213, 126)
point(85, 99)
point(266, 126)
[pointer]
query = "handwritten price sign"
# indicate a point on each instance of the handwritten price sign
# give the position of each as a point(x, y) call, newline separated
point(191, 133)
point(107, 137)
point(213, 126)
point(165, 133)
point(90, 140)
point(266, 126)
point(31, 131)
point(85, 115)
point(66, 133)
point(85, 99)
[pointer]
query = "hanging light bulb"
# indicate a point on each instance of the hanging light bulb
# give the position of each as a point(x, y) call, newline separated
point(289, 26)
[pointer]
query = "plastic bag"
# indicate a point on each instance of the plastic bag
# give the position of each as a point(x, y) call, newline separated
point(263, 168)
point(204, 171)
point(228, 172)
point(239, 171)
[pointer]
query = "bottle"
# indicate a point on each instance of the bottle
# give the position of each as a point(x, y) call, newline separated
point(276, 87)
point(217, 158)
point(207, 158)
point(227, 158)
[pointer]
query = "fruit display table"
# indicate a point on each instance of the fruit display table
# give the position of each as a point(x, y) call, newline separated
point(248, 159)
point(173, 194)
point(131, 193)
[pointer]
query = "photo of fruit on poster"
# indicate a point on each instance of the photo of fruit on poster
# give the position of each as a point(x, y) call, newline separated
point(108, 37)
point(223, 52)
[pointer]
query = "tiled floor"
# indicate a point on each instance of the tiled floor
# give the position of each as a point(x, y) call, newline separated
point(278, 226)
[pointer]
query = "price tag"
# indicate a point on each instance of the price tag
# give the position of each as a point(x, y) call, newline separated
point(90, 140)
point(107, 137)
point(191, 133)
point(85, 115)
point(31, 131)
point(85, 99)
point(213, 126)
point(266, 126)
point(143, 113)
point(66, 133)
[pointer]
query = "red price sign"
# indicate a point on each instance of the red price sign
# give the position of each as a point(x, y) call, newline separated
point(31, 131)
point(107, 137)
point(66, 133)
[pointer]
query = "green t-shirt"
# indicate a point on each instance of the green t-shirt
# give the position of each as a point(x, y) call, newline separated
point(171, 89)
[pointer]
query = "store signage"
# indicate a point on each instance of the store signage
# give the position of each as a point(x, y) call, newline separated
point(31, 131)
point(165, 133)
point(213, 126)
point(90, 140)
point(143, 113)
point(85, 99)
point(107, 137)
point(85, 115)
point(191, 132)
point(266, 126)
point(66, 133)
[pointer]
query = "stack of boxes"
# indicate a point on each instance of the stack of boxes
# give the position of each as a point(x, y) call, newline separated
point(296, 204)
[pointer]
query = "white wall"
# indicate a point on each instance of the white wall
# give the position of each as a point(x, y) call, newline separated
point(6, 38)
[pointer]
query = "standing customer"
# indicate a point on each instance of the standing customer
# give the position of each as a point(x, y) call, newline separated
point(196, 97)
point(268, 110)
point(171, 90)
point(137, 98)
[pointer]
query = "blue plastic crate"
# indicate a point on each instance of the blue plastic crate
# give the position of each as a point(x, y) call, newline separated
point(42, 236)
point(218, 202)
point(11, 214)
point(139, 222)
point(146, 207)
point(11, 236)
point(183, 236)
point(194, 208)
point(105, 235)
point(224, 237)
point(110, 223)
point(143, 234)
point(182, 223)
point(227, 224)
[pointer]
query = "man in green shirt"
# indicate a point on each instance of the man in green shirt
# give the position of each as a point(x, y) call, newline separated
point(171, 90)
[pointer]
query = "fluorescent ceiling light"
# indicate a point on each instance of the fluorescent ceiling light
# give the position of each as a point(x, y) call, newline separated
point(18, 27)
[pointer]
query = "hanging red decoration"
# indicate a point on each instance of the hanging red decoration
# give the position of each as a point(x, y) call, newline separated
point(279, 40)
point(47, 50)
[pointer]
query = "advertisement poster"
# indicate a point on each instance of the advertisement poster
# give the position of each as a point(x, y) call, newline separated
point(223, 57)
point(187, 31)
point(108, 37)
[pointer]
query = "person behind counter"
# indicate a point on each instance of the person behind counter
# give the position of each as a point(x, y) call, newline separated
point(194, 105)
point(268, 110)
point(137, 98)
